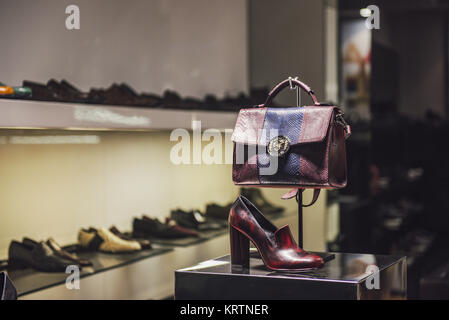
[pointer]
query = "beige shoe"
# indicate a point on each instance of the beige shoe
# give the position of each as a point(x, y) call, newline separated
point(105, 241)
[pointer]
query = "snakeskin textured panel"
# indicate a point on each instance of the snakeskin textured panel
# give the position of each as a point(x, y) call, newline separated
point(285, 122)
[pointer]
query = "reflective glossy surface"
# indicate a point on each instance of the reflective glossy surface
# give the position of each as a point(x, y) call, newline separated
point(27, 280)
point(185, 242)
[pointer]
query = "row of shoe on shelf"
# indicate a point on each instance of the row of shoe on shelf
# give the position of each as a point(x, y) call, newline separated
point(123, 94)
point(49, 256)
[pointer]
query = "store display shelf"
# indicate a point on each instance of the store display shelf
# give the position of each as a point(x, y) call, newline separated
point(28, 281)
point(149, 274)
point(24, 114)
point(184, 242)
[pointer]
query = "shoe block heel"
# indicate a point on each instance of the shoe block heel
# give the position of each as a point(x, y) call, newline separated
point(239, 248)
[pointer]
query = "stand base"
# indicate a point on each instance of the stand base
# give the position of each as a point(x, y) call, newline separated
point(326, 256)
point(347, 276)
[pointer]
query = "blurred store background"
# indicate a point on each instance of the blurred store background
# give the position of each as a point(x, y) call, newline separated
point(204, 60)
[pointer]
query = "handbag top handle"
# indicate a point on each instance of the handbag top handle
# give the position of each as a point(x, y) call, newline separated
point(286, 83)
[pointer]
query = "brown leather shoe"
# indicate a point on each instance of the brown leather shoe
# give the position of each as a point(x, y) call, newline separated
point(172, 224)
point(276, 246)
point(153, 228)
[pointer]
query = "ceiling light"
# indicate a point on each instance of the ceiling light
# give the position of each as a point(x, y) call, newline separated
point(365, 12)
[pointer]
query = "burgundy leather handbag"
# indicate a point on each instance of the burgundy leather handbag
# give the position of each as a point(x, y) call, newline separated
point(295, 147)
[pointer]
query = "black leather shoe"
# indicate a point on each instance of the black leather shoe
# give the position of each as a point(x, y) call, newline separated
point(144, 243)
point(7, 289)
point(193, 220)
point(39, 257)
point(211, 102)
point(41, 91)
point(96, 96)
point(153, 228)
point(218, 212)
point(58, 251)
point(171, 99)
point(58, 90)
point(143, 100)
point(255, 196)
point(150, 100)
point(71, 93)
point(116, 94)
point(122, 94)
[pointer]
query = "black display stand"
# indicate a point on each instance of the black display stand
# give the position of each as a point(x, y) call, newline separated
point(325, 255)
point(347, 276)
point(300, 228)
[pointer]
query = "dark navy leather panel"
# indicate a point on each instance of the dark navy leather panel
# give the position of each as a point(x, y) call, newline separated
point(285, 122)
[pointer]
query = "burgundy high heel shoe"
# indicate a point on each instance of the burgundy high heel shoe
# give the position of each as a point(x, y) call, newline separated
point(277, 247)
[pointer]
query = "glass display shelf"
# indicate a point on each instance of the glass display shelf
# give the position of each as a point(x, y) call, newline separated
point(26, 114)
point(28, 281)
point(184, 242)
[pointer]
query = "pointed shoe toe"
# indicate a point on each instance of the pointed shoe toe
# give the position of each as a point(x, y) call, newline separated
point(305, 262)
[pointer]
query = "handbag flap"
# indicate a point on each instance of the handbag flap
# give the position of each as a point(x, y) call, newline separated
point(299, 124)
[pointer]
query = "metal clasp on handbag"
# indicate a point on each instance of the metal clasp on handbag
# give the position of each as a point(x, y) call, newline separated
point(293, 87)
point(341, 121)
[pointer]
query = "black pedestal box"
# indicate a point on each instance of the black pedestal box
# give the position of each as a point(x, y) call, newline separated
point(347, 276)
